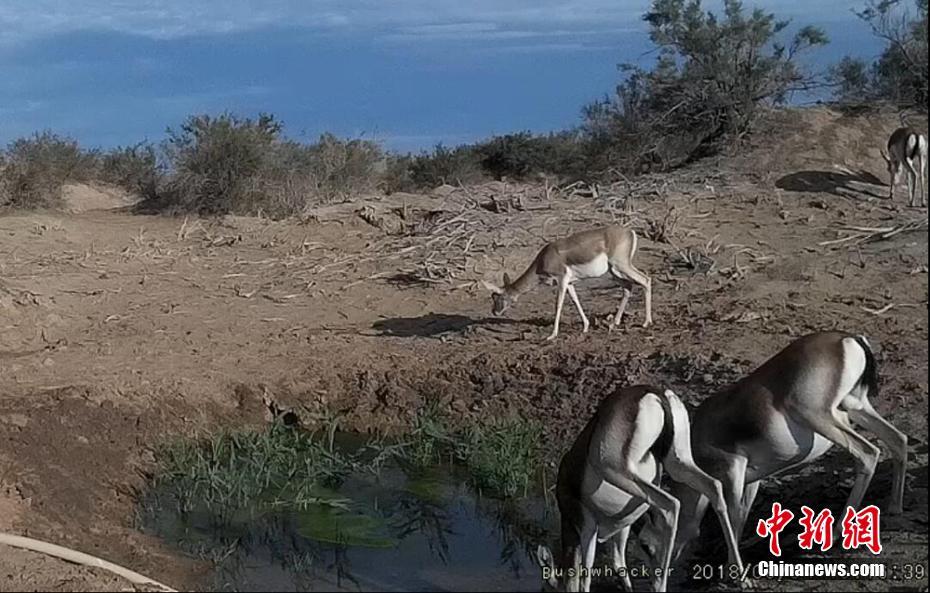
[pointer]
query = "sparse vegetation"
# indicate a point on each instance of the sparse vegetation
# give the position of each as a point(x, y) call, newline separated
point(232, 472)
point(33, 169)
point(899, 75)
point(713, 77)
point(501, 456)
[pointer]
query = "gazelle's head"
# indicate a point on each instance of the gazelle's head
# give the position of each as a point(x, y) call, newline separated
point(894, 167)
point(556, 577)
point(501, 298)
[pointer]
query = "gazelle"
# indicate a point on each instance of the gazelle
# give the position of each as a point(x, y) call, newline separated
point(907, 149)
point(588, 254)
point(608, 478)
point(785, 414)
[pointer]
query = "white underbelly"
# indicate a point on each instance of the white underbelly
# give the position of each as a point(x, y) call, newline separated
point(592, 269)
point(785, 444)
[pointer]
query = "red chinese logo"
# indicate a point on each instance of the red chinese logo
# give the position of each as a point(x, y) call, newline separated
point(773, 526)
point(817, 529)
point(861, 529)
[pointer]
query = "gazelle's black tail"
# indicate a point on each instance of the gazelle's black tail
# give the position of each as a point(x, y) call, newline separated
point(870, 374)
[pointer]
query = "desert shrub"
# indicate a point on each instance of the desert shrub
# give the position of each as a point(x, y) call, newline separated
point(397, 175)
point(134, 168)
point(343, 168)
point(899, 74)
point(713, 77)
point(217, 162)
point(33, 169)
point(228, 164)
point(446, 165)
point(521, 155)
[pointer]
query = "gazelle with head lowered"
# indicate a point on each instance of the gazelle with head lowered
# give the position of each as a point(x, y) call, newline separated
point(588, 254)
point(785, 414)
point(907, 150)
point(609, 477)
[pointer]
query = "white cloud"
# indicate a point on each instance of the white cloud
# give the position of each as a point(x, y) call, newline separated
point(400, 20)
point(22, 20)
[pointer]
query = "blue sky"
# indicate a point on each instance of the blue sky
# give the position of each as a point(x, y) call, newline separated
point(409, 73)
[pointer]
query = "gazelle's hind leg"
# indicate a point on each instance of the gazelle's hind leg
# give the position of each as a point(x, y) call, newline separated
point(911, 182)
point(894, 439)
point(627, 270)
point(667, 507)
point(724, 496)
point(625, 287)
point(828, 425)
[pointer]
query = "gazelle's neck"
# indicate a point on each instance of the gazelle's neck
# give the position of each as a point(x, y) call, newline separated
point(525, 282)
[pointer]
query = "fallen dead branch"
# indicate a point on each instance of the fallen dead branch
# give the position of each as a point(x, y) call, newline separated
point(858, 235)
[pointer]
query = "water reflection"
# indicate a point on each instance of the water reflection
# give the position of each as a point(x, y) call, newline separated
point(424, 531)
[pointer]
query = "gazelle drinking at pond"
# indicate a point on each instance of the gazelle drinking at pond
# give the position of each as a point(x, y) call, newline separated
point(608, 478)
point(785, 414)
point(907, 150)
point(588, 254)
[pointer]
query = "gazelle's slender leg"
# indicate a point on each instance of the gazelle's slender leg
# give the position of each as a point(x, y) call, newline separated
point(628, 270)
point(589, 547)
point(749, 496)
point(563, 288)
point(895, 440)
point(894, 179)
point(619, 556)
point(923, 180)
point(667, 506)
point(911, 183)
point(865, 453)
point(584, 318)
point(726, 508)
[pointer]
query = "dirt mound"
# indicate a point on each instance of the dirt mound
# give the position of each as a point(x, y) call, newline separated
point(80, 197)
point(825, 150)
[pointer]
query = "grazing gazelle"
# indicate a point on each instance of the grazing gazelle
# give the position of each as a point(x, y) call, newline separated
point(608, 478)
point(907, 149)
point(784, 415)
point(588, 254)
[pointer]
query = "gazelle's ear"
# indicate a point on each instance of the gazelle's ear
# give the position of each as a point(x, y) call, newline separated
point(492, 287)
point(507, 281)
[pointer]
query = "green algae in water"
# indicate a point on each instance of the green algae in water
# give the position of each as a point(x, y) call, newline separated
point(327, 524)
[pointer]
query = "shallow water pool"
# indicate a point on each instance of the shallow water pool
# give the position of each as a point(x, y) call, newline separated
point(395, 531)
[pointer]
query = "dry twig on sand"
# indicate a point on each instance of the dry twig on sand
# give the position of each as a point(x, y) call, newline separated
point(858, 235)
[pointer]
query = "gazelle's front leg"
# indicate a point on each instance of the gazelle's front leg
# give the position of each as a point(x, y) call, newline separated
point(724, 497)
point(563, 288)
point(619, 556)
point(584, 318)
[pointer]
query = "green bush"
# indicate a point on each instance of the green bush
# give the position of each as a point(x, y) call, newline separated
point(228, 164)
point(453, 166)
point(134, 168)
point(521, 155)
point(713, 75)
point(33, 169)
point(899, 74)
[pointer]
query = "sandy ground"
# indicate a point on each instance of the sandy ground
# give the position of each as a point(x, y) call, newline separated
point(118, 331)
